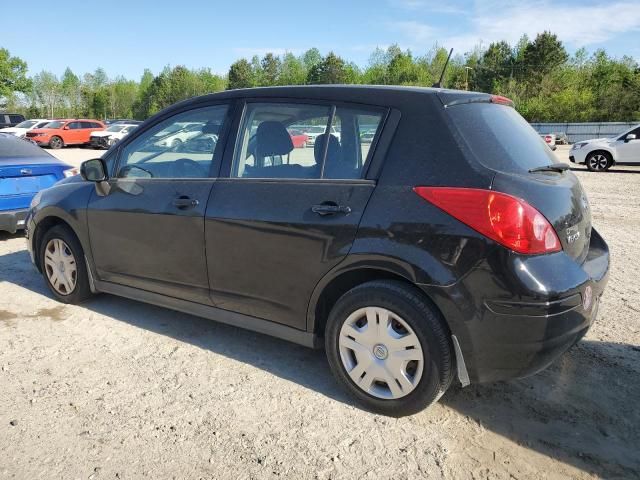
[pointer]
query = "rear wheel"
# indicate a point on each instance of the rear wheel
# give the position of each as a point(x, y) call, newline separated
point(63, 266)
point(388, 346)
point(598, 161)
point(55, 142)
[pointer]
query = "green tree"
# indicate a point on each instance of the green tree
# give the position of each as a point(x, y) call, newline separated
point(240, 75)
point(271, 67)
point(331, 69)
point(13, 74)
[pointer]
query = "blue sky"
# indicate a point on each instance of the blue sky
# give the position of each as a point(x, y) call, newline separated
point(124, 37)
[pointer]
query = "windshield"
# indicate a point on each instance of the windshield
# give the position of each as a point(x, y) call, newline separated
point(26, 124)
point(115, 128)
point(55, 124)
point(500, 138)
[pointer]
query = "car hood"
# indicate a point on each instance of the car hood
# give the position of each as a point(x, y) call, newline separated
point(101, 133)
point(12, 130)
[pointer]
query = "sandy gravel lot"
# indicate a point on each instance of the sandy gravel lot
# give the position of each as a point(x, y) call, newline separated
point(119, 389)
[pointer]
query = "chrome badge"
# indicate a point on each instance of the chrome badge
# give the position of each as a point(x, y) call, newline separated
point(573, 234)
point(26, 171)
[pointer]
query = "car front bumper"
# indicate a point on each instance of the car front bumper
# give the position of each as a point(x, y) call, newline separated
point(522, 330)
point(12, 220)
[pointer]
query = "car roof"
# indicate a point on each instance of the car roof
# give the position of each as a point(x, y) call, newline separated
point(380, 95)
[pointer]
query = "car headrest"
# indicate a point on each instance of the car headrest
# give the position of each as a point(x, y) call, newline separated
point(272, 138)
point(334, 150)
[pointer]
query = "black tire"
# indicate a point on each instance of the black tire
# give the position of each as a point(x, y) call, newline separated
point(425, 320)
point(82, 289)
point(595, 161)
point(56, 142)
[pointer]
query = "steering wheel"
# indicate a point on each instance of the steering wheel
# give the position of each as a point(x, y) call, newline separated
point(187, 168)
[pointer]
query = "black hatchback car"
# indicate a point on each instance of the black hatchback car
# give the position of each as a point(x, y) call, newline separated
point(450, 243)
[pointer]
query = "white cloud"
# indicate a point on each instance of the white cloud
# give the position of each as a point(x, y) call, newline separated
point(491, 20)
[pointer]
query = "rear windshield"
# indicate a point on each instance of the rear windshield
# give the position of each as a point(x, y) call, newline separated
point(500, 138)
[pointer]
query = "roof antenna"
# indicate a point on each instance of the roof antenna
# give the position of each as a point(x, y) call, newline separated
point(438, 84)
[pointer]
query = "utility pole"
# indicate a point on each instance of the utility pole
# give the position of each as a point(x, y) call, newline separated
point(466, 77)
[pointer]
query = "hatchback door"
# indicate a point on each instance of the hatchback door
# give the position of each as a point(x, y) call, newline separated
point(286, 216)
point(501, 140)
point(147, 229)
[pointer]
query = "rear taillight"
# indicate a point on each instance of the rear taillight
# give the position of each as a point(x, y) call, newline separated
point(508, 220)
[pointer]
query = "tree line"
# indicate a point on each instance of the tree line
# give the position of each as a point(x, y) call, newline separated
point(545, 82)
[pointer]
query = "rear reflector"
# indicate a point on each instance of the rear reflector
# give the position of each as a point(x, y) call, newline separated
point(508, 220)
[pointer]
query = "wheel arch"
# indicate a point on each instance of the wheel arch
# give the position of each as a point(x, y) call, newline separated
point(605, 151)
point(337, 283)
point(45, 224)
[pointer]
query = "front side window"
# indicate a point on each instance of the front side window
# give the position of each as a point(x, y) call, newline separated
point(74, 125)
point(300, 141)
point(182, 146)
point(54, 124)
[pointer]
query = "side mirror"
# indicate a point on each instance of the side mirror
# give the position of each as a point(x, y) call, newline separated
point(94, 170)
point(66, 127)
point(630, 136)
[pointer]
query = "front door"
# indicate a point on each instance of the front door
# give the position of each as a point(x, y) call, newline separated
point(147, 232)
point(628, 151)
point(286, 216)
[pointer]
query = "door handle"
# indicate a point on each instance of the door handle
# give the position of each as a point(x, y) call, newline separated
point(330, 208)
point(185, 203)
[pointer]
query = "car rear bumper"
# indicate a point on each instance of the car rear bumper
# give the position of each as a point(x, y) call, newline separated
point(514, 333)
point(13, 220)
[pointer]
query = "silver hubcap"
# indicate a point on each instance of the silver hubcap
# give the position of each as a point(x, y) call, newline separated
point(60, 266)
point(598, 162)
point(381, 353)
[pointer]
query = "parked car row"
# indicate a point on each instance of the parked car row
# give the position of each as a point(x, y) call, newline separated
point(57, 133)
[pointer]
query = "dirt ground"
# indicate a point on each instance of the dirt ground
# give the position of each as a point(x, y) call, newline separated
point(120, 389)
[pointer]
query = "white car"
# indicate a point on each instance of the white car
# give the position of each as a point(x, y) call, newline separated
point(21, 129)
point(179, 133)
point(600, 154)
point(313, 131)
point(112, 134)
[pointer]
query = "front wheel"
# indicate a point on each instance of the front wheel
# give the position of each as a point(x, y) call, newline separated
point(63, 266)
point(598, 162)
point(389, 347)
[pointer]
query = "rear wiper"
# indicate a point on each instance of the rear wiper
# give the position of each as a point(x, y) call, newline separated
point(554, 167)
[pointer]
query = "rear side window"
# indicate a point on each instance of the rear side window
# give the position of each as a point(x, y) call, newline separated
point(304, 141)
point(16, 118)
point(500, 138)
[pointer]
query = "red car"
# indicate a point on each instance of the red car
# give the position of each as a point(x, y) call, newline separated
point(58, 133)
point(298, 138)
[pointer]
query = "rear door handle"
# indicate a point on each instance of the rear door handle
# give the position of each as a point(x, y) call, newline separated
point(185, 202)
point(330, 209)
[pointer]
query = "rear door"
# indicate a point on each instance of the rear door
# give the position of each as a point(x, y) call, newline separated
point(73, 133)
point(147, 231)
point(285, 216)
